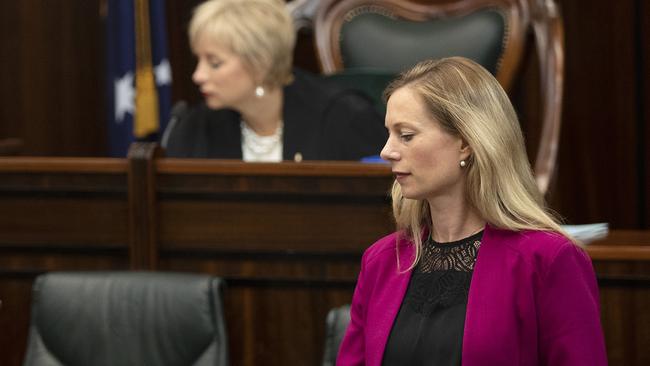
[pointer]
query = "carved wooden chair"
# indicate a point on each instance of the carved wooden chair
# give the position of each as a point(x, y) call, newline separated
point(367, 40)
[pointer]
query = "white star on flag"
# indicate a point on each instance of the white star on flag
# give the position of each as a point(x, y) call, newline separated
point(163, 73)
point(124, 97)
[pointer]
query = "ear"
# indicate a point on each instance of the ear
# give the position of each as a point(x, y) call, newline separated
point(257, 75)
point(465, 150)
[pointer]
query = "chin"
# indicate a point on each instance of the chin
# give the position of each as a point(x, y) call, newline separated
point(415, 197)
point(213, 103)
point(411, 194)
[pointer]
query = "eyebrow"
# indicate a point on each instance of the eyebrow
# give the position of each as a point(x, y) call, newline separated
point(401, 124)
point(209, 54)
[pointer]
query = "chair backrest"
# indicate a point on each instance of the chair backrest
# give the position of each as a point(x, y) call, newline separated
point(388, 36)
point(335, 325)
point(126, 318)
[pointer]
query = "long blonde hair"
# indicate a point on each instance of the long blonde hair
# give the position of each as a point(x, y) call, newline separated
point(470, 103)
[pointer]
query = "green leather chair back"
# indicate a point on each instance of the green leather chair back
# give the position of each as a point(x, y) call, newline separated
point(381, 42)
point(369, 82)
point(374, 42)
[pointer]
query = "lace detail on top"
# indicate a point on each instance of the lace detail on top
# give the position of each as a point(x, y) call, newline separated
point(442, 277)
point(261, 148)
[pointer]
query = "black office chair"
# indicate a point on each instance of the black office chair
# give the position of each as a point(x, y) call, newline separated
point(126, 318)
point(384, 37)
point(335, 325)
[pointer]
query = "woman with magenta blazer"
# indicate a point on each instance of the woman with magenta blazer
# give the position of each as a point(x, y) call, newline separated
point(479, 273)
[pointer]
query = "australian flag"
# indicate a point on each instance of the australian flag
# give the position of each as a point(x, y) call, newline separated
point(139, 73)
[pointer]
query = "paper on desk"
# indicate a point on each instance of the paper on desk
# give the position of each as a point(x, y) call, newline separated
point(589, 232)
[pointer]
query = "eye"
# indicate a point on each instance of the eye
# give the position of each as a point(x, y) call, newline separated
point(406, 137)
point(211, 61)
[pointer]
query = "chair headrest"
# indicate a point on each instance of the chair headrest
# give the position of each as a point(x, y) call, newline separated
point(365, 37)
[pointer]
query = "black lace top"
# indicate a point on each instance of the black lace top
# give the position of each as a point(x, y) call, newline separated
point(428, 329)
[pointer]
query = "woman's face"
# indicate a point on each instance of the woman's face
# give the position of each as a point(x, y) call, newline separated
point(221, 76)
point(424, 158)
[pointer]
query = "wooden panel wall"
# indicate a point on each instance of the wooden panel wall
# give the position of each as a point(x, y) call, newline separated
point(602, 169)
point(643, 101)
point(52, 78)
point(179, 13)
point(70, 214)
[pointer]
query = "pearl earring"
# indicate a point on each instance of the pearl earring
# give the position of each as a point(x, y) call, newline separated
point(463, 163)
point(259, 91)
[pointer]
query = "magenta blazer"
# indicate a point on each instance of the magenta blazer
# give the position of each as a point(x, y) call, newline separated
point(533, 300)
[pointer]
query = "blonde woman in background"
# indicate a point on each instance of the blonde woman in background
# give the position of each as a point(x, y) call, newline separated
point(478, 273)
point(257, 107)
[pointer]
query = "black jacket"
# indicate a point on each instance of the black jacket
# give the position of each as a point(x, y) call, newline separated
point(321, 122)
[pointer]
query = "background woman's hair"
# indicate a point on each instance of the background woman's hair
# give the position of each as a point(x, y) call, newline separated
point(470, 103)
point(261, 32)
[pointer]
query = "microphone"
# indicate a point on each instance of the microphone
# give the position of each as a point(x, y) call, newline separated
point(178, 112)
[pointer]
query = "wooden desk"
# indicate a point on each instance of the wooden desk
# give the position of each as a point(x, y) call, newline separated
point(286, 237)
point(622, 263)
point(626, 245)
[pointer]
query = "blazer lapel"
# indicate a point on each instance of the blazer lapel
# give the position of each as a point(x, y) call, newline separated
point(302, 111)
point(394, 289)
point(491, 308)
point(223, 137)
point(296, 128)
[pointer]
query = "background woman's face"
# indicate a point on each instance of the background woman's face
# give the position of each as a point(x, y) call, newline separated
point(221, 75)
point(424, 158)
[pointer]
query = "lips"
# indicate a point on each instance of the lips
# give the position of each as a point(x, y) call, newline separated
point(400, 175)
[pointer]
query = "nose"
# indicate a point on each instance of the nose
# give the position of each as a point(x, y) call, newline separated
point(388, 152)
point(199, 75)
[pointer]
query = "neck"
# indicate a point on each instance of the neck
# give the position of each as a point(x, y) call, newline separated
point(453, 219)
point(263, 115)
